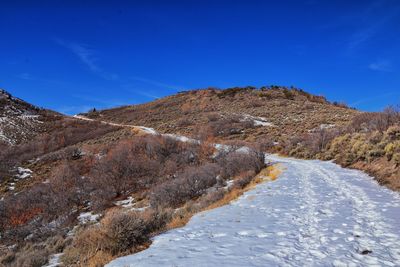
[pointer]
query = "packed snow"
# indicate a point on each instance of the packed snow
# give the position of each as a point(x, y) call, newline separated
point(257, 121)
point(142, 128)
point(315, 214)
point(147, 130)
point(88, 217)
point(322, 127)
point(126, 203)
point(23, 173)
point(54, 260)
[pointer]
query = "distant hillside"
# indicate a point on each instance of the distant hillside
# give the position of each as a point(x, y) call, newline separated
point(19, 120)
point(274, 114)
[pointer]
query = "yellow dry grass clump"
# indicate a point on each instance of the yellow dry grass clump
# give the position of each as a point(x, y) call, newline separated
point(274, 171)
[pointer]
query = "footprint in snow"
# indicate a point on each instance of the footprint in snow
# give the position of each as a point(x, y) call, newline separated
point(217, 235)
point(243, 233)
point(262, 235)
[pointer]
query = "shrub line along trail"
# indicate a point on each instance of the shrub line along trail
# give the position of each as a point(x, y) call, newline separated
point(315, 214)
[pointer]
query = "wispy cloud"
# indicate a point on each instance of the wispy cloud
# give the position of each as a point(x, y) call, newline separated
point(370, 29)
point(362, 25)
point(25, 76)
point(158, 83)
point(82, 51)
point(361, 36)
point(87, 56)
point(373, 20)
point(381, 65)
point(151, 96)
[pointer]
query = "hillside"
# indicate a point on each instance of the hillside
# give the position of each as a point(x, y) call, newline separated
point(270, 114)
point(87, 189)
point(19, 120)
point(37, 138)
point(75, 172)
point(289, 121)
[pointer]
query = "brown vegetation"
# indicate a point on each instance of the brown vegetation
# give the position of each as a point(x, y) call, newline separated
point(221, 114)
point(165, 172)
point(371, 142)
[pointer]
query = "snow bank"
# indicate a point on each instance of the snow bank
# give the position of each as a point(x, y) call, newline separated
point(88, 217)
point(126, 203)
point(147, 130)
point(54, 260)
point(257, 121)
point(23, 173)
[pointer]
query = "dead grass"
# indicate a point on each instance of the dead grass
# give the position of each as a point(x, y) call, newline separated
point(292, 117)
point(274, 171)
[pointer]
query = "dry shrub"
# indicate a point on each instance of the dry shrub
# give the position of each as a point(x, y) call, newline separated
point(34, 254)
point(265, 144)
point(232, 124)
point(393, 132)
point(244, 179)
point(186, 108)
point(118, 232)
point(7, 258)
point(36, 258)
point(213, 116)
point(64, 132)
point(183, 122)
point(396, 159)
point(190, 184)
point(288, 94)
point(378, 121)
point(391, 149)
point(273, 172)
point(238, 162)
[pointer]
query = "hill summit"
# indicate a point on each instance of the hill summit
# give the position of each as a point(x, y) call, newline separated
point(272, 113)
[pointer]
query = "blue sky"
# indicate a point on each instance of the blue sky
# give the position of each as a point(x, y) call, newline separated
point(72, 56)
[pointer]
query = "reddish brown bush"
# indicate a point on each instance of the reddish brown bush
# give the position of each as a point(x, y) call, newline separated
point(229, 125)
point(378, 121)
point(190, 184)
point(238, 162)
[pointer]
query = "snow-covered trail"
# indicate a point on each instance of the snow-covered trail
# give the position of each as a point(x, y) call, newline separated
point(140, 128)
point(315, 214)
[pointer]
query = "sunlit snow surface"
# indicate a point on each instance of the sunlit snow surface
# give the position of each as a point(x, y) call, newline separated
point(314, 214)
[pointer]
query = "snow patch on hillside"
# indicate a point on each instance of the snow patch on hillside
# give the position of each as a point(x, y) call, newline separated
point(126, 203)
point(88, 217)
point(54, 261)
point(14, 128)
point(23, 173)
point(322, 127)
point(257, 121)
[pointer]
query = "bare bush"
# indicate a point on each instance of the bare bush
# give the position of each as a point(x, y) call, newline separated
point(118, 232)
point(378, 121)
point(238, 162)
point(244, 179)
point(233, 124)
point(190, 184)
point(319, 140)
